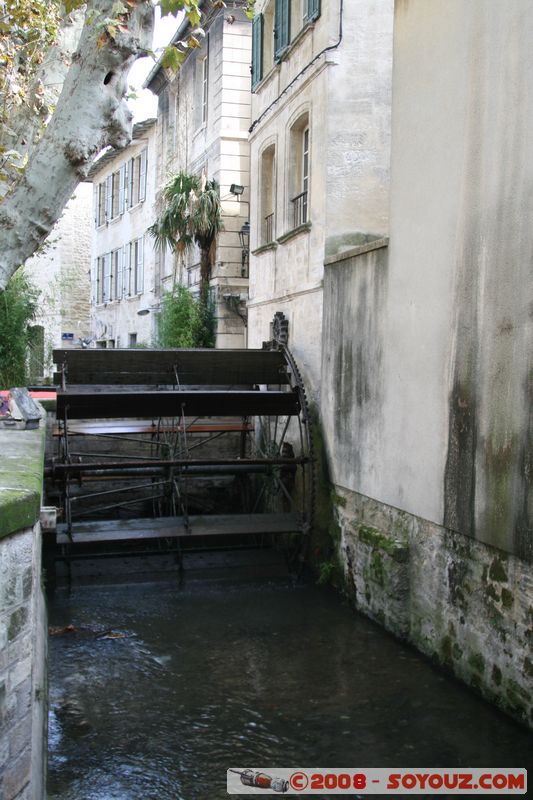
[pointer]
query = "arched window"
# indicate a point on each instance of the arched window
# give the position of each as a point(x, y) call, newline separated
point(299, 172)
point(268, 194)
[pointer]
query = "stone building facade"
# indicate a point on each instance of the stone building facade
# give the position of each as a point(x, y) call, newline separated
point(124, 294)
point(320, 151)
point(426, 356)
point(61, 271)
point(202, 128)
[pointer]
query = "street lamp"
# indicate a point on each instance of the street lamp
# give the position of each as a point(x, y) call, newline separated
point(244, 238)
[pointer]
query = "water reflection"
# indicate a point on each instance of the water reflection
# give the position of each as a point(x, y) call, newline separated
point(204, 678)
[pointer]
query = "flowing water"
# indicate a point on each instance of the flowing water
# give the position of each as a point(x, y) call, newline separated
point(211, 676)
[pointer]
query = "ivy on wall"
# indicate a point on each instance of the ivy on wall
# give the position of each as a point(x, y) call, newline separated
point(18, 306)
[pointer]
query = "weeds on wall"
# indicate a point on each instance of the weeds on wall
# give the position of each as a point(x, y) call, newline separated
point(185, 321)
point(18, 307)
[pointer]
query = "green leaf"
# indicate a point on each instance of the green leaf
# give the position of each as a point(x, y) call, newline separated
point(172, 58)
point(72, 5)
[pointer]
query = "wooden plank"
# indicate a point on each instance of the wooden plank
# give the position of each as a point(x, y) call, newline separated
point(202, 367)
point(88, 428)
point(172, 527)
point(95, 405)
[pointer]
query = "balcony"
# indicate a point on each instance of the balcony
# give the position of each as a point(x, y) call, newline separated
point(299, 207)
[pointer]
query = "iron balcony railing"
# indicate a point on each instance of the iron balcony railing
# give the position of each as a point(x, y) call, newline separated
point(269, 228)
point(299, 205)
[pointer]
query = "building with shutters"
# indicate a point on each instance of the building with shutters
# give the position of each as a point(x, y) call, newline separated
point(320, 149)
point(123, 298)
point(202, 128)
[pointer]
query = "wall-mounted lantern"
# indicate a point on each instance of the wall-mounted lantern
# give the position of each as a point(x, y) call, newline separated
point(244, 238)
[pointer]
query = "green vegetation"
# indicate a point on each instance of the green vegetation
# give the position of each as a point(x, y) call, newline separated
point(185, 321)
point(18, 304)
point(191, 214)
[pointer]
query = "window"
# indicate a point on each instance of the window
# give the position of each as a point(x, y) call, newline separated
point(132, 340)
point(100, 204)
point(205, 72)
point(273, 30)
point(299, 172)
point(268, 183)
point(137, 179)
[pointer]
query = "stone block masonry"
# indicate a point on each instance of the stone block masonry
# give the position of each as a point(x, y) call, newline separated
point(22, 618)
point(463, 603)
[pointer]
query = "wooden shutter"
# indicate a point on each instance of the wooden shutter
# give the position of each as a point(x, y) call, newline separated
point(257, 49)
point(122, 190)
point(142, 175)
point(139, 266)
point(131, 173)
point(312, 10)
point(109, 197)
point(282, 28)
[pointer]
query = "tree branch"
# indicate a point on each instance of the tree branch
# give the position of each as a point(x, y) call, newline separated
point(91, 113)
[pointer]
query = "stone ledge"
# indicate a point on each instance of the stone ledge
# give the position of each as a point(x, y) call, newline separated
point(264, 248)
point(359, 250)
point(305, 227)
point(21, 478)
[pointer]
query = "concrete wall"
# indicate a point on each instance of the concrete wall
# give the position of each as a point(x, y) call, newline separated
point(23, 631)
point(427, 354)
point(345, 93)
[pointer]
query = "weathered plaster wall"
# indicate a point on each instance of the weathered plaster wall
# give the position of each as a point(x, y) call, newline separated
point(346, 94)
point(22, 618)
point(427, 353)
point(453, 322)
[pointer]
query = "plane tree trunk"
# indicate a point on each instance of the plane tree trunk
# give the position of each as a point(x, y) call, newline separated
point(91, 113)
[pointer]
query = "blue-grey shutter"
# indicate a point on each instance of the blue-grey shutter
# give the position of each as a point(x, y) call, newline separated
point(282, 28)
point(312, 10)
point(257, 49)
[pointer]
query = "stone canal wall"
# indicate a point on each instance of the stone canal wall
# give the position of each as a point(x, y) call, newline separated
point(467, 605)
point(22, 618)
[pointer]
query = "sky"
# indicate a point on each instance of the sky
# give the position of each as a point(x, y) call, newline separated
point(145, 105)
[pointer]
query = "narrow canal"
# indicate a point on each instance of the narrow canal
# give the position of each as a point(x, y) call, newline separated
point(159, 689)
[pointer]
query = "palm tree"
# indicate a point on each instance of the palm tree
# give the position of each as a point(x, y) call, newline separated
point(191, 213)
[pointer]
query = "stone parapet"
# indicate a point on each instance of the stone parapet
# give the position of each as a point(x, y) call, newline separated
point(22, 618)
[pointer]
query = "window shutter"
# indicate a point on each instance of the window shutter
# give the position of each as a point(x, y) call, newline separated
point(119, 280)
point(95, 204)
point(131, 172)
point(94, 283)
point(108, 197)
point(142, 176)
point(122, 190)
point(282, 28)
point(257, 49)
point(99, 279)
point(139, 266)
point(107, 278)
point(312, 10)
